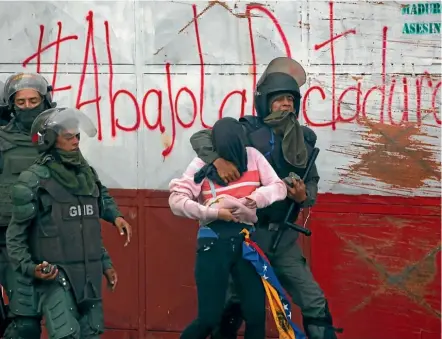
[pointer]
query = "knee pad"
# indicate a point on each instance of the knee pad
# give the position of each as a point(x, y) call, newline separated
point(325, 322)
point(22, 295)
point(60, 321)
point(23, 328)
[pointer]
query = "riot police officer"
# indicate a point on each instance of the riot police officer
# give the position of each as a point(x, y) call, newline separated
point(277, 134)
point(54, 236)
point(26, 96)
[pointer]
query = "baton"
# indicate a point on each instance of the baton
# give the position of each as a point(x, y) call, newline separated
point(287, 223)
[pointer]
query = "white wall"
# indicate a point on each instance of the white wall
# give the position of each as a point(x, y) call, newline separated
point(145, 36)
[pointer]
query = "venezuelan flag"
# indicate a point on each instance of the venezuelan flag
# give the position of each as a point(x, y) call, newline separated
point(279, 304)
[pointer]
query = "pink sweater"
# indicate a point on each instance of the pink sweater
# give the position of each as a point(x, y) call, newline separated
point(195, 201)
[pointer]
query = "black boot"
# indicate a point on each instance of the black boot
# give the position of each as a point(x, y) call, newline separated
point(321, 327)
point(231, 322)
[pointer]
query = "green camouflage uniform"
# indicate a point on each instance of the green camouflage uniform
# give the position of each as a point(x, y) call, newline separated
point(28, 226)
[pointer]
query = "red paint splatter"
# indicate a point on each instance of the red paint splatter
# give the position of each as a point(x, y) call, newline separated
point(394, 154)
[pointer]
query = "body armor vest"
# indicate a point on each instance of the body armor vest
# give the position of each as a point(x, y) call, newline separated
point(268, 143)
point(69, 236)
point(15, 158)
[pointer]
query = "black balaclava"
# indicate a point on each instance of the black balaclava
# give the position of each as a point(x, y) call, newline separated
point(25, 117)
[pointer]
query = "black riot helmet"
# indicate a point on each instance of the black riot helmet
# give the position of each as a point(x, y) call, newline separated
point(68, 122)
point(35, 81)
point(283, 75)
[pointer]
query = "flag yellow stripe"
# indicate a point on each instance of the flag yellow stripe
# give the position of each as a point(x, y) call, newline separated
point(275, 303)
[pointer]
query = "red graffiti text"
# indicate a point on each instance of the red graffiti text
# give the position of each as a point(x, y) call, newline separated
point(140, 109)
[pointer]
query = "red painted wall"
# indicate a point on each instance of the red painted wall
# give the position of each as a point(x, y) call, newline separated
point(377, 259)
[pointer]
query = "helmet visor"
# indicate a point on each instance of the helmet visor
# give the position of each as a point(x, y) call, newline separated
point(287, 66)
point(67, 122)
point(22, 81)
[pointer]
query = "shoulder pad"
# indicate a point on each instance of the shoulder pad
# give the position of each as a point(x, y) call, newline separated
point(22, 194)
point(23, 202)
point(309, 136)
point(33, 175)
point(25, 212)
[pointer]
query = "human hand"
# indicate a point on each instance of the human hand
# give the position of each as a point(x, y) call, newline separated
point(44, 271)
point(250, 203)
point(112, 278)
point(226, 170)
point(297, 192)
point(226, 215)
point(124, 228)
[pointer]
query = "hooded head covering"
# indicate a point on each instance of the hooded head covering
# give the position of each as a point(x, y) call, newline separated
point(228, 139)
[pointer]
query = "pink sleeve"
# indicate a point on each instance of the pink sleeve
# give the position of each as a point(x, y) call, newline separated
point(273, 188)
point(184, 193)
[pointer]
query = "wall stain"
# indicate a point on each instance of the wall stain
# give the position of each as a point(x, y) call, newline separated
point(306, 25)
point(411, 282)
point(416, 278)
point(396, 155)
point(166, 140)
point(398, 222)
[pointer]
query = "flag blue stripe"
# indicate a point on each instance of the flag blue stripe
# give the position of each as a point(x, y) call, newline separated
point(265, 270)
